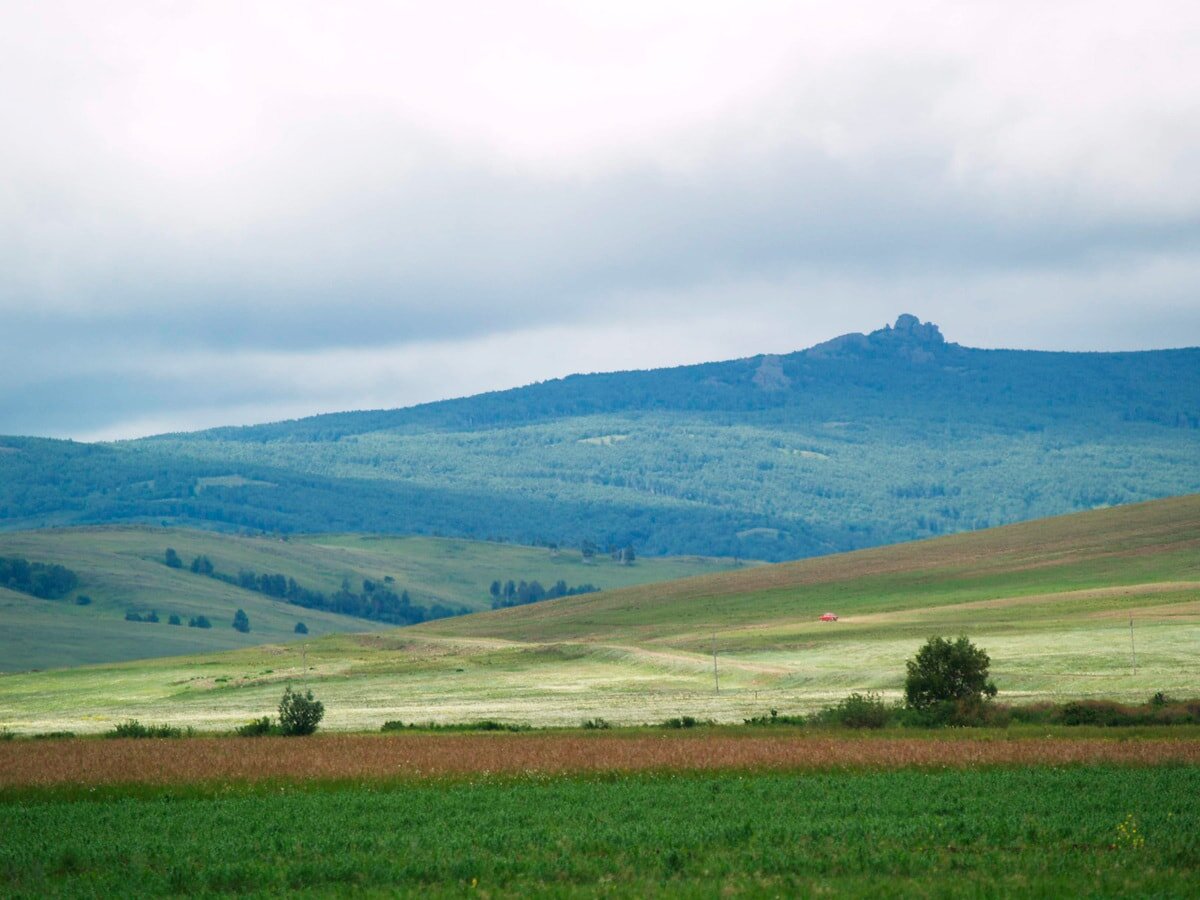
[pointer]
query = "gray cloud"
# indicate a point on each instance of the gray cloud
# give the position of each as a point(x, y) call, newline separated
point(154, 272)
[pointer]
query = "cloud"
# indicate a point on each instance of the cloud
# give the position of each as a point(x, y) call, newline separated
point(205, 196)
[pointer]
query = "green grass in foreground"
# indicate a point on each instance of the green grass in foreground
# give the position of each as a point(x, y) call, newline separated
point(992, 832)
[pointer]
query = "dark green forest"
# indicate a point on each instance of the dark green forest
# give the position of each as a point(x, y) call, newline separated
point(864, 440)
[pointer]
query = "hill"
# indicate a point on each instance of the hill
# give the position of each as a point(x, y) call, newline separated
point(123, 570)
point(1051, 601)
point(865, 440)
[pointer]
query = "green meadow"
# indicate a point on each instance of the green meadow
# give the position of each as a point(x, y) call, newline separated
point(1051, 601)
point(122, 569)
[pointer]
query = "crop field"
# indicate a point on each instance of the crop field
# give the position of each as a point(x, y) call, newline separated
point(122, 569)
point(990, 831)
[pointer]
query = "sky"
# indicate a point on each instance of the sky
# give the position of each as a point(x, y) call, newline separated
point(223, 213)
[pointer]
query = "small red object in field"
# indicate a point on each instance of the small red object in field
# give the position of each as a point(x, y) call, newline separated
point(829, 617)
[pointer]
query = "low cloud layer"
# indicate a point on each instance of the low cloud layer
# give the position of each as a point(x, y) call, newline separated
point(218, 214)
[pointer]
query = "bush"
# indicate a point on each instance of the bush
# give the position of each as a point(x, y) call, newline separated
point(6, 735)
point(172, 559)
point(151, 616)
point(174, 619)
point(776, 719)
point(686, 722)
point(241, 621)
point(947, 671)
point(257, 728)
point(596, 724)
point(83, 600)
point(199, 622)
point(135, 729)
point(299, 714)
point(857, 711)
point(301, 628)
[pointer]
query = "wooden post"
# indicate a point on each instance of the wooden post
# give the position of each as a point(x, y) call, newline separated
point(1132, 648)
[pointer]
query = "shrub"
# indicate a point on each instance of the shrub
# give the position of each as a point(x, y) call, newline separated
point(301, 628)
point(172, 559)
point(857, 711)
point(53, 735)
point(135, 729)
point(6, 735)
point(257, 728)
point(596, 724)
point(83, 600)
point(947, 671)
point(776, 719)
point(299, 714)
point(686, 722)
point(151, 616)
point(174, 619)
point(199, 622)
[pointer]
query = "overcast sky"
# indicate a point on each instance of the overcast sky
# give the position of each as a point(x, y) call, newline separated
point(218, 213)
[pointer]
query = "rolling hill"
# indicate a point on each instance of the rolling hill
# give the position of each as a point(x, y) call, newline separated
point(1050, 600)
point(862, 441)
point(122, 570)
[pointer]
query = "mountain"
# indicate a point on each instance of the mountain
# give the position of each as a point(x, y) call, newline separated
point(863, 440)
point(342, 583)
point(1051, 601)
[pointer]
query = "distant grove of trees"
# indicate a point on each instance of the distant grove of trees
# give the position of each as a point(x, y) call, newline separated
point(47, 581)
point(376, 601)
point(512, 593)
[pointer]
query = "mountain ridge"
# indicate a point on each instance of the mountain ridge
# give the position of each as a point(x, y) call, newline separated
point(863, 440)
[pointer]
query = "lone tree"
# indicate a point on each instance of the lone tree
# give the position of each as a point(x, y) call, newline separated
point(946, 670)
point(241, 621)
point(301, 628)
point(172, 559)
point(299, 714)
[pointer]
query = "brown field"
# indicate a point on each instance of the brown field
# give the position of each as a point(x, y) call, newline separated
point(91, 761)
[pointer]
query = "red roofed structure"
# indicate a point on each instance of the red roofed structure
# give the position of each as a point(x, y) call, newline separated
point(829, 617)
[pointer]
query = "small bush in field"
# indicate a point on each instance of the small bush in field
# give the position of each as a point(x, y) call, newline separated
point(776, 719)
point(860, 711)
point(257, 728)
point(135, 729)
point(299, 714)
point(686, 722)
point(596, 724)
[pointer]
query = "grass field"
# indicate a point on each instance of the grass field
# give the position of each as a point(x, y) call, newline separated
point(122, 569)
point(1050, 601)
point(1098, 830)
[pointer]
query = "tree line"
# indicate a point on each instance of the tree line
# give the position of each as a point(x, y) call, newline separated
point(47, 581)
point(377, 600)
point(512, 593)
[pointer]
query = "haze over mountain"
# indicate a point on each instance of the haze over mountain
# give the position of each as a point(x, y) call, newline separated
point(862, 440)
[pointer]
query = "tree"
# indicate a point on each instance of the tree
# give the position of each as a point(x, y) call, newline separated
point(301, 628)
point(174, 619)
point(946, 670)
point(202, 565)
point(173, 560)
point(494, 590)
point(241, 621)
point(299, 714)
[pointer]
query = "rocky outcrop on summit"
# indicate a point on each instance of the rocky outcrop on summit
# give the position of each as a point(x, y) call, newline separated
point(909, 338)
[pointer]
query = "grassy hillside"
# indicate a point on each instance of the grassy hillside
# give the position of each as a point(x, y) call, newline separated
point(1050, 600)
point(863, 441)
point(122, 569)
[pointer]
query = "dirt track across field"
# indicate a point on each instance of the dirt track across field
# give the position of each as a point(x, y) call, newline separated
point(100, 761)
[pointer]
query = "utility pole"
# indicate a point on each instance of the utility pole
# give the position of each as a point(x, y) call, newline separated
point(716, 677)
point(1132, 648)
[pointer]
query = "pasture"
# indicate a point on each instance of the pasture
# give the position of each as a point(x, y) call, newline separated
point(1050, 601)
point(121, 569)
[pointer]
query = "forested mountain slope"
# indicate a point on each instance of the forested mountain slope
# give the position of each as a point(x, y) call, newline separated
point(864, 440)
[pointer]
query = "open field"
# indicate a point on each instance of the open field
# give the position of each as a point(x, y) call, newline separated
point(212, 759)
point(121, 569)
point(983, 832)
point(1049, 600)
